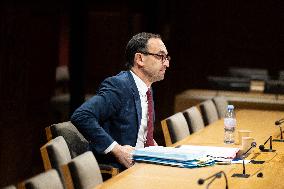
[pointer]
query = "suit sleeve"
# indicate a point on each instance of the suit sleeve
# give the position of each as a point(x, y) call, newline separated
point(102, 106)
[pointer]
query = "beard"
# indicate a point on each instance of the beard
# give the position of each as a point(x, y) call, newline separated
point(154, 76)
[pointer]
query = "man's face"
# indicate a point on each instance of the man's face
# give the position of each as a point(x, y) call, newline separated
point(156, 62)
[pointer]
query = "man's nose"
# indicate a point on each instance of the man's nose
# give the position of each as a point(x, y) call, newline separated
point(167, 63)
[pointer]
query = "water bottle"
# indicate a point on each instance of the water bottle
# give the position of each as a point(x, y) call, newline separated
point(230, 125)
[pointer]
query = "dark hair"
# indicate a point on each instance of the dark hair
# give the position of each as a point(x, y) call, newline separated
point(138, 43)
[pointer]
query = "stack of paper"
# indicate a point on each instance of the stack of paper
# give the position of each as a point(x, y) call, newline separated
point(212, 151)
point(171, 156)
point(188, 156)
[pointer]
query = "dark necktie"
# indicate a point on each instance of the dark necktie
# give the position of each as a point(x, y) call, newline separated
point(150, 128)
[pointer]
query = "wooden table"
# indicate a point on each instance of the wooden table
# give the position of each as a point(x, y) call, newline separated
point(261, 123)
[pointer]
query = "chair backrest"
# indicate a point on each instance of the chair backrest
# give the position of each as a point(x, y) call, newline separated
point(208, 111)
point(76, 143)
point(175, 128)
point(85, 171)
point(194, 119)
point(221, 104)
point(49, 179)
point(75, 140)
point(9, 187)
point(55, 153)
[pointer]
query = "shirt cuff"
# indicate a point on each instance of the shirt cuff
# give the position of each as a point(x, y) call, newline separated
point(110, 147)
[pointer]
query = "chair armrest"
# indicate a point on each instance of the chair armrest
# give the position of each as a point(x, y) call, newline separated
point(108, 169)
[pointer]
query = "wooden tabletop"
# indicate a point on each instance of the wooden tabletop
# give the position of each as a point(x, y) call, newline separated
point(262, 125)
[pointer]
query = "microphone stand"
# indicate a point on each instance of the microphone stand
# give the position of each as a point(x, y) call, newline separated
point(211, 182)
point(281, 132)
point(262, 148)
point(214, 176)
point(244, 175)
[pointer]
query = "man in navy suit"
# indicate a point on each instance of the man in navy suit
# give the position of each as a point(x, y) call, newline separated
point(115, 120)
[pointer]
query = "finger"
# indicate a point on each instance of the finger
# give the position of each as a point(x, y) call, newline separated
point(128, 164)
point(129, 147)
point(129, 161)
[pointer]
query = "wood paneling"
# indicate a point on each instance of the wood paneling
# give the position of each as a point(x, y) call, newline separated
point(28, 59)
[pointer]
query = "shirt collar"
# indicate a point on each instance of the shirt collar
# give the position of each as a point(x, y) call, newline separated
point(142, 87)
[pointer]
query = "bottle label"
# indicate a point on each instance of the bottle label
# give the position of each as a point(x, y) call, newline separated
point(230, 122)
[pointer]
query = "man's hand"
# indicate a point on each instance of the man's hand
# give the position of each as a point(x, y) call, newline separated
point(123, 154)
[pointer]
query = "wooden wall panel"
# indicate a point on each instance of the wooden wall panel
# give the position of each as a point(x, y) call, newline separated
point(28, 59)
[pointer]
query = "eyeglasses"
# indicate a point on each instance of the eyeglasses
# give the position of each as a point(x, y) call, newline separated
point(163, 57)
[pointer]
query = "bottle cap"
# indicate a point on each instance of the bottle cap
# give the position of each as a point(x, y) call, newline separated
point(230, 107)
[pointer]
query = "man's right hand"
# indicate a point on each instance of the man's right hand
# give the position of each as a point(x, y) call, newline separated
point(123, 154)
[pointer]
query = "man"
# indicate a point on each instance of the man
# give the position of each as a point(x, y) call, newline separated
point(115, 121)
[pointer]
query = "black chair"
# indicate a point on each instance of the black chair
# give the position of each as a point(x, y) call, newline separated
point(77, 143)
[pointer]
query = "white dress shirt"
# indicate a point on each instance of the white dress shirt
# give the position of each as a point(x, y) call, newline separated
point(142, 89)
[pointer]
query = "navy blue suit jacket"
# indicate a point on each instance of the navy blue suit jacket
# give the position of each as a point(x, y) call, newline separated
point(114, 113)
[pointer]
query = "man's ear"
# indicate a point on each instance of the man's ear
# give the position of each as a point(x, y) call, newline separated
point(139, 59)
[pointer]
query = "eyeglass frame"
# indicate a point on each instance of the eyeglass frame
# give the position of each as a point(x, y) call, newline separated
point(163, 57)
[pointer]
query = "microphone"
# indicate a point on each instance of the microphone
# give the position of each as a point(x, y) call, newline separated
point(214, 176)
point(262, 148)
point(252, 145)
point(244, 175)
point(279, 122)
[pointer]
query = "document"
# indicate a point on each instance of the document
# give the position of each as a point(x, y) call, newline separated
point(172, 156)
point(212, 151)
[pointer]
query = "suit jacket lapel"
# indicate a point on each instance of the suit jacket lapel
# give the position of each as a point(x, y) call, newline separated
point(136, 98)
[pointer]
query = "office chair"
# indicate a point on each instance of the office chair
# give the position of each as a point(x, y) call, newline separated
point(194, 119)
point(49, 179)
point(77, 143)
point(221, 104)
point(208, 111)
point(9, 187)
point(174, 128)
point(55, 154)
point(85, 171)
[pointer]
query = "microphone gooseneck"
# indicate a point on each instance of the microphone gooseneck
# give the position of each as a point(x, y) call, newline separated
point(244, 175)
point(262, 148)
point(281, 135)
point(253, 144)
point(279, 122)
point(214, 176)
